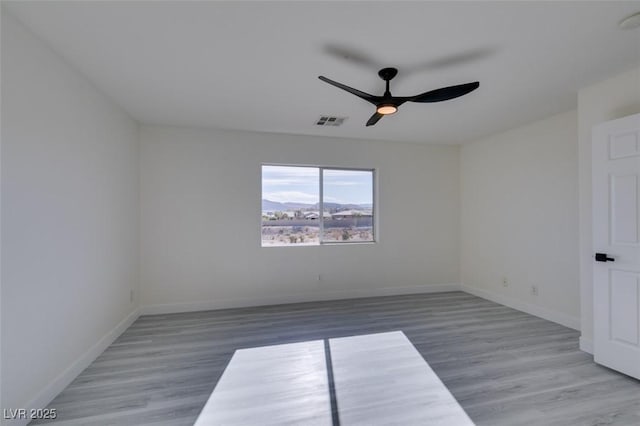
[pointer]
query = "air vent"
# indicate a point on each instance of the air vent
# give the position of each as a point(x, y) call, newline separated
point(329, 120)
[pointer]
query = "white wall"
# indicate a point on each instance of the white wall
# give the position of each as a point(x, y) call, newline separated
point(519, 218)
point(614, 98)
point(70, 205)
point(1, 384)
point(200, 239)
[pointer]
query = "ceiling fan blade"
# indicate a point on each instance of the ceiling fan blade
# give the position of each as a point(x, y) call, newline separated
point(367, 97)
point(351, 54)
point(445, 93)
point(374, 118)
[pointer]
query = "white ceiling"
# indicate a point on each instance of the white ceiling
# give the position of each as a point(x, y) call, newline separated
point(254, 65)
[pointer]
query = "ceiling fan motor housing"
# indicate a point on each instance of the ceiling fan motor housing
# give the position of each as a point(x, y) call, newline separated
point(388, 73)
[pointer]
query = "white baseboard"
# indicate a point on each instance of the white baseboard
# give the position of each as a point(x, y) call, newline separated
point(172, 308)
point(538, 311)
point(586, 345)
point(50, 391)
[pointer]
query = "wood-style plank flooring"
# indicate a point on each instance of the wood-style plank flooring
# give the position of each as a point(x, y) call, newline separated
point(503, 366)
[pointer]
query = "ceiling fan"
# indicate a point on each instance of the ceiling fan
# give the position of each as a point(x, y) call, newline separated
point(387, 104)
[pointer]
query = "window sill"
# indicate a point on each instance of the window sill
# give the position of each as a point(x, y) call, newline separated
point(355, 243)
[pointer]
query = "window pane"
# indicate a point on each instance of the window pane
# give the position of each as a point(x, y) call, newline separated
point(290, 200)
point(347, 196)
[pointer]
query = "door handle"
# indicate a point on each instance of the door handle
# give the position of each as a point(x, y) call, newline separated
point(602, 257)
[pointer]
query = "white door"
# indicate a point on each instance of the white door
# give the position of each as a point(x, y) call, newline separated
point(616, 243)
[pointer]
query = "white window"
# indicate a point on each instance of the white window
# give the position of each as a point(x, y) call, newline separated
point(303, 205)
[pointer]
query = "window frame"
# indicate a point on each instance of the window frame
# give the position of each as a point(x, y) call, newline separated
point(374, 207)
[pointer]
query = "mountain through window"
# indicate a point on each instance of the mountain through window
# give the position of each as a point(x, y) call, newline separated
point(304, 205)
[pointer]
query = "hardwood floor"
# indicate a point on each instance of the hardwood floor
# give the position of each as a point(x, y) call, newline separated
point(503, 366)
point(362, 380)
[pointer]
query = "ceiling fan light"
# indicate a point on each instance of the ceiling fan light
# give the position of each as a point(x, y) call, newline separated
point(387, 109)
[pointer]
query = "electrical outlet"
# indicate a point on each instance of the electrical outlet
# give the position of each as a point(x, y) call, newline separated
point(505, 282)
point(534, 290)
point(319, 277)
